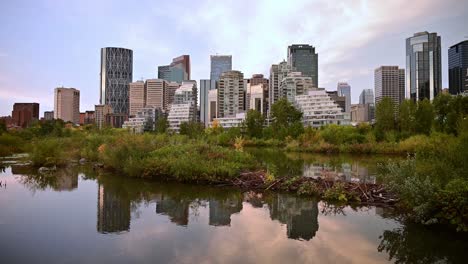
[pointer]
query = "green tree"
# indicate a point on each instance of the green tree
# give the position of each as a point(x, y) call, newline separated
point(385, 116)
point(192, 129)
point(162, 125)
point(254, 124)
point(424, 117)
point(286, 119)
point(443, 106)
point(406, 117)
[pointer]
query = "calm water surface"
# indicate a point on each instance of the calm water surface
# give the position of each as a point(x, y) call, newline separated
point(78, 216)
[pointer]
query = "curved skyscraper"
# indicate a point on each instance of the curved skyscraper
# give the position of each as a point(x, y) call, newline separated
point(116, 74)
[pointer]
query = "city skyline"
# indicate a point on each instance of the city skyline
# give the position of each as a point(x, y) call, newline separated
point(67, 53)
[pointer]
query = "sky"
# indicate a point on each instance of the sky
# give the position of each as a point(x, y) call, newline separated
point(50, 43)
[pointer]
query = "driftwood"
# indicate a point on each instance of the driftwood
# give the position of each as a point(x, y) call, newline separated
point(368, 193)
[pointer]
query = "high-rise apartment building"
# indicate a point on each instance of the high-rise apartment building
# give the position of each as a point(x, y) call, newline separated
point(389, 81)
point(137, 99)
point(277, 74)
point(257, 99)
point(458, 67)
point(169, 94)
point(344, 89)
point(184, 107)
point(24, 113)
point(423, 66)
point(230, 94)
point(212, 105)
point(295, 83)
point(339, 100)
point(67, 104)
point(219, 64)
point(116, 74)
point(366, 97)
point(100, 113)
point(304, 59)
point(177, 71)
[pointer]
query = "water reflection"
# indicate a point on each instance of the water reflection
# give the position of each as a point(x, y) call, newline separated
point(113, 212)
point(65, 179)
point(336, 167)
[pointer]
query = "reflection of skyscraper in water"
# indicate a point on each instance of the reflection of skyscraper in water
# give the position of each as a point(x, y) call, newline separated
point(299, 214)
point(178, 211)
point(113, 211)
point(221, 210)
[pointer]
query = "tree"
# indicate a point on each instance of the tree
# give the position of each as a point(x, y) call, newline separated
point(406, 117)
point(424, 117)
point(254, 123)
point(162, 125)
point(443, 106)
point(385, 116)
point(286, 119)
point(192, 129)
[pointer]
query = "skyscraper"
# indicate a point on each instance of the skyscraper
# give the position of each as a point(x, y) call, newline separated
point(389, 81)
point(116, 74)
point(177, 71)
point(344, 89)
point(277, 74)
point(230, 94)
point(24, 113)
point(304, 59)
point(137, 98)
point(67, 104)
point(155, 90)
point(295, 84)
point(219, 64)
point(205, 87)
point(366, 97)
point(423, 66)
point(458, 67)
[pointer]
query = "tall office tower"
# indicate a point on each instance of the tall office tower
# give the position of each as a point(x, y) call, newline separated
point(24, 113)
point(344, 89)
point(304, 59)
point(137, 98)
point(230, 94)
point(366, 97)
point(155, 91)
point(277, 73)
point(100, 113)
point(205, 87)
point(458, 67)
point(423, 66)
point(295, 84)
point(219, 64)
point(212, 105)
point(389, 81)
point(67, 104)
point(177, 71)
point(116, 74)
point(49, 115)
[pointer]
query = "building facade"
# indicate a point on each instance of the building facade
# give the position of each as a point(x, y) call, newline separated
point(366, 96)
point(67, 104)
point(304, 59)
point(295, 83)
point(230, 122)
point(458, 68)
point(212, 105)
point(344, 89)
point(24, 114)
point(116, 74)
point(219, 64)
point(49, 115)
point(100, 113)
point(137, 99)
point(389, 81)
point(277, 73)
point(184, 107)
point(177, 71)
point(205, 87)
point(256, 97)
point(319, 109)
point(423, 66)
point(230, 94)
point(362, 113)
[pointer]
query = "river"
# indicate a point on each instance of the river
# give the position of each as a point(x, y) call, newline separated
point(79, 216)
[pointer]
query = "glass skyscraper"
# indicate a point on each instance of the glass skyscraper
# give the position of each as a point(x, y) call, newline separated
point(344, 89)
point(178, 71)
point(219, 64)
point(366, 97)
point(304, 59)
point(116, 74)
point(458, 67)
point(423, 66)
